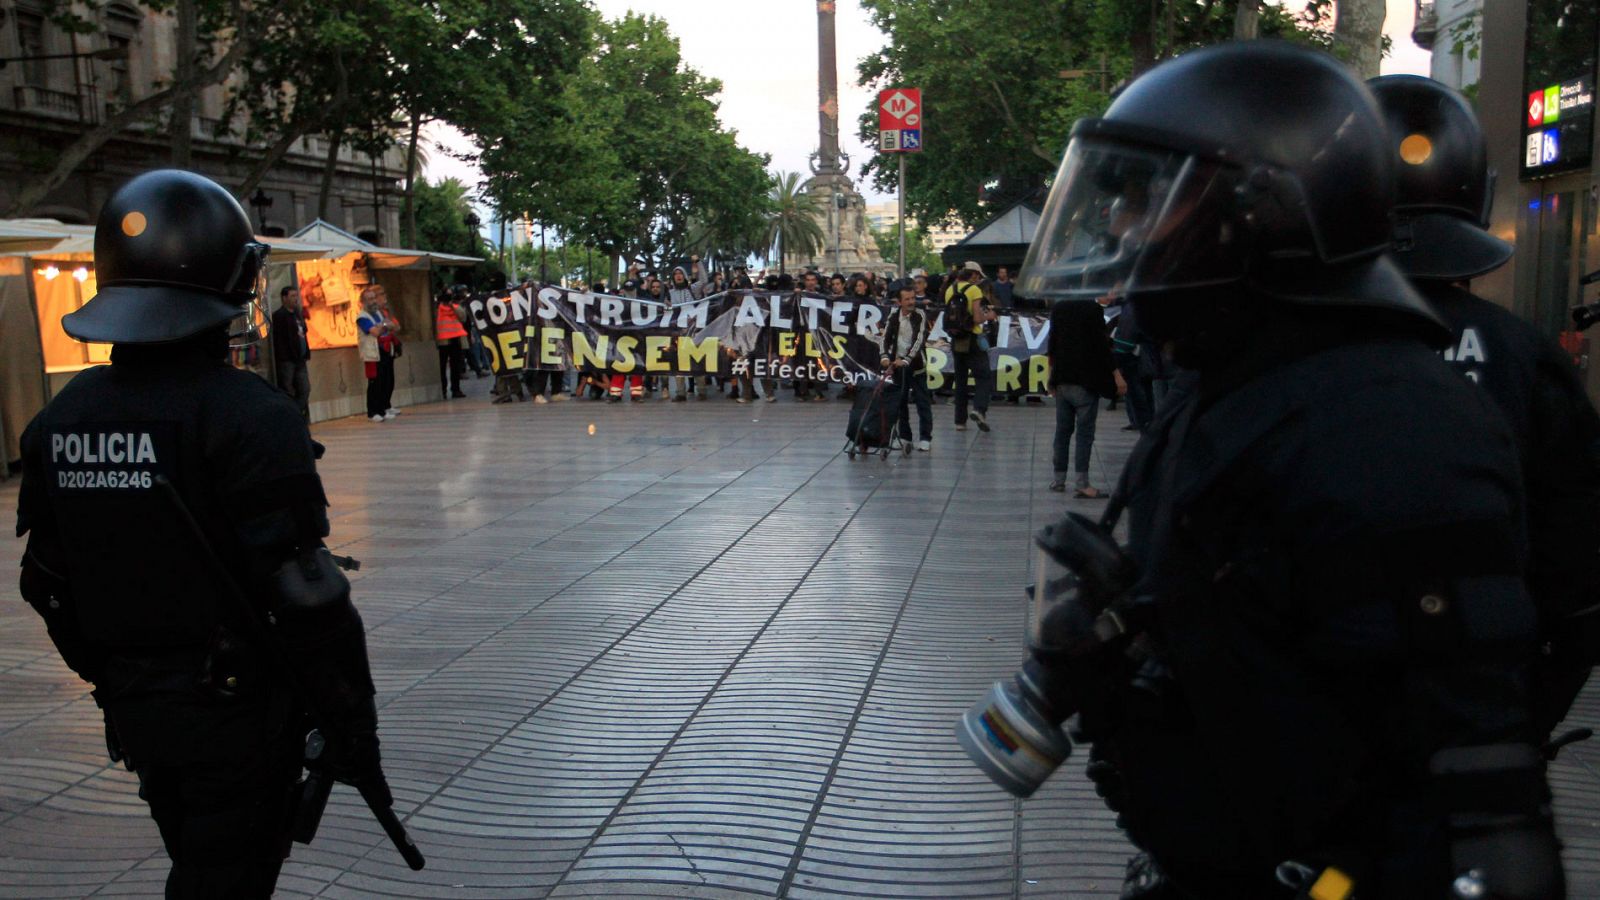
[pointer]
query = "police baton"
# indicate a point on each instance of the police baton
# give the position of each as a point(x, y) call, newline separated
point(318, 783)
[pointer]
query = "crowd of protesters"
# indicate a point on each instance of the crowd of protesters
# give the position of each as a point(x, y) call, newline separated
point(1096, 353)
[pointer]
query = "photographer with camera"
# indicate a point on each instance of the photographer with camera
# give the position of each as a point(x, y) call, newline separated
point(1308, 675)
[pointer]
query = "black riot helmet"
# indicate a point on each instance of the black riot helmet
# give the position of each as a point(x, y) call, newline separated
point(1253, 166)
point(1445, 184)
point(174, 255)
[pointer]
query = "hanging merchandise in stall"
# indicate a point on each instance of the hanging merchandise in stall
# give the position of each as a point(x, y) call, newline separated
point(331, 289)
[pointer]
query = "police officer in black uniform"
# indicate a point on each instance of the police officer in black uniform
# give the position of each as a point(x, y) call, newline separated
point(1318, 685)
point(1445, 190)
point(209, 710)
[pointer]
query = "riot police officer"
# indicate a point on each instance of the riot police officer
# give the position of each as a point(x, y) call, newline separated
point(1442, 208)
point(1316, 686)
point(153, 487)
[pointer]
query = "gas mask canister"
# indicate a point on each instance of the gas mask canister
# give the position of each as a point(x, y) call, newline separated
point(1081, 582)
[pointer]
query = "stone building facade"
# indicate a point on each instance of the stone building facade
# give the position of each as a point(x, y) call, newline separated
point(46, 104)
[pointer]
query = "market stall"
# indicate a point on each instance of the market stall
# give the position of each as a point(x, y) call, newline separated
point(331, 291)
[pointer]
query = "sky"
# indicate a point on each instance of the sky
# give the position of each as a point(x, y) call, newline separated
point(769, 96)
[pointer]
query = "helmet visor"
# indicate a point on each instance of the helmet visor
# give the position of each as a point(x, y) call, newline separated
point(1125, 219)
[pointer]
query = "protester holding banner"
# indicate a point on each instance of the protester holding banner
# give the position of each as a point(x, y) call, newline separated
point(806, 387)
point(681, 292)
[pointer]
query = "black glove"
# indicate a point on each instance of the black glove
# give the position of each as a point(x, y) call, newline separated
point(350, 753)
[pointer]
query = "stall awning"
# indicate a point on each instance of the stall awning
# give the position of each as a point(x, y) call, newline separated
point(320, 232)
point(20, 236)
point(289, 250)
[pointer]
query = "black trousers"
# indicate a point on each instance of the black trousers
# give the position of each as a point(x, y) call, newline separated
point(452, 365)
point(219, 777)
point(380, 390)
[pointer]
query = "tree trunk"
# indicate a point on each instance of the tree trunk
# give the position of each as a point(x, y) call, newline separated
point(1359, 30)
point(276, 152)
point(68, 159)
point(328, 166)
point(1247, 20)
point(408, 210)
point(183, 72)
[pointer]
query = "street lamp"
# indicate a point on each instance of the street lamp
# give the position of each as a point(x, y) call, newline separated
point(261, 203)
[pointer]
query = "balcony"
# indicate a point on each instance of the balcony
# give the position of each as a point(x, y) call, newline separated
point(55, 104)
point(1426, 27)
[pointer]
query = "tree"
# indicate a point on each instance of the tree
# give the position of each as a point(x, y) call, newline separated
point(1003, 81)
point(1358, 30)
point(792, 225)
point(919, 250)
point(222, 27)
point(638, 153)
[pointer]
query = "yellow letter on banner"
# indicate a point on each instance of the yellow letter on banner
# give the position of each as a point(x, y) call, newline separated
point(489, 344)
point(1039, 374)
point(550, 345)
point(583, 354)
point(655, 346)
point(511, 350)
point(785, 344)
point(626, 362)
point(691, 351)
point(936, 361)
point(1009, 378)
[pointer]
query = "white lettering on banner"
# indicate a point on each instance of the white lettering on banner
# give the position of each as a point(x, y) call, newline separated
point(642, 313)
point(775, 313)
point(611, 310)
point(695, 314)
point(749, 313)
point(521, 306)
point(812, 306)
point(547, 304)
point(1032, 339)
point(580, 306)
point(836, 317)
point(867, 320)
point(497, 310)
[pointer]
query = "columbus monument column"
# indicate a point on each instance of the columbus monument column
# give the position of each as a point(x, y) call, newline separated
point(847, 245)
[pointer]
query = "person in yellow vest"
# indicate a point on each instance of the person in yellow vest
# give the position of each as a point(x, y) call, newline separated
point(966, 312)
point(450, 333)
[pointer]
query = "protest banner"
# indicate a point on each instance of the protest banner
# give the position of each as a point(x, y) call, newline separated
point(766, 334)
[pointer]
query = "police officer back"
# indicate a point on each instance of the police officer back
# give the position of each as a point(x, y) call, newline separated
point(135, 598)
point(1318, 684)
point(1442, 209)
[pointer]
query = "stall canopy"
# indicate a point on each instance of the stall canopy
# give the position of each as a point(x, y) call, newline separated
point(320, 232)
point(25, 236)
point(1001, 241)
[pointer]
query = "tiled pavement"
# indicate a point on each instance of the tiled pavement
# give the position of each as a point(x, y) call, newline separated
point(652, 650)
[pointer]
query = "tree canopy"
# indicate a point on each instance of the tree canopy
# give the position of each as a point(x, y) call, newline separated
point(1003, 81)
point(635, 163)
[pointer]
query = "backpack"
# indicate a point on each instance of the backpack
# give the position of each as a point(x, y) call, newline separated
point(958, 313)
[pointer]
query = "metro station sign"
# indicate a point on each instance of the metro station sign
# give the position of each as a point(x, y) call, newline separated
point(900, 120)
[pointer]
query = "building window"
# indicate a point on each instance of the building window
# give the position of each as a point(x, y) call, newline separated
point(30, 43)
point(122, 25)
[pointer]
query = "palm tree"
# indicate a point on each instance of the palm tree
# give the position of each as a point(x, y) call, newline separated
point(792, 225)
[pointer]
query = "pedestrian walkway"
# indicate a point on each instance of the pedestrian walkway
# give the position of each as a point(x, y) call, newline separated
point(652, 650)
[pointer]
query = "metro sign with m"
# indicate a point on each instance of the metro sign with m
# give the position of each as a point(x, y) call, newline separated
point(899, 108)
